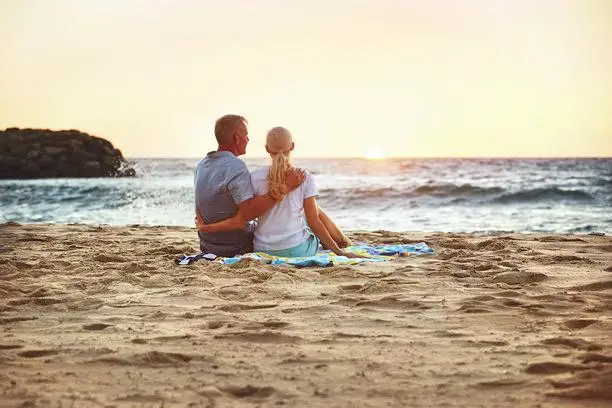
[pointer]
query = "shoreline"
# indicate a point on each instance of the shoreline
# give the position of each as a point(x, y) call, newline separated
point(100, 315)
point(475, 233)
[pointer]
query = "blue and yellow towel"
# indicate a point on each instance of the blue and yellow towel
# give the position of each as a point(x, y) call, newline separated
point(368, 253)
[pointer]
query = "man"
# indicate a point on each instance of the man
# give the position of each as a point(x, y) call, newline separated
point(223, 187)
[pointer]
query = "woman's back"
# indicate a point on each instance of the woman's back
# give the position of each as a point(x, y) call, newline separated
point(284, 226)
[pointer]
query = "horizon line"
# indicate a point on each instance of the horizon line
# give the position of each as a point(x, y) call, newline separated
point(394, 157)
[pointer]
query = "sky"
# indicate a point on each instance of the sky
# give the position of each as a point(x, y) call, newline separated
point(438, 78)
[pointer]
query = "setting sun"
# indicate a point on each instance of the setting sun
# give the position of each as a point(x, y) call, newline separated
point(375, 154)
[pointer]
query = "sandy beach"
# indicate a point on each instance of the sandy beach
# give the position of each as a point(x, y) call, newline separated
point(101, 316)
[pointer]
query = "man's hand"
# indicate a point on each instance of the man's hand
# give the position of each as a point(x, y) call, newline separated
point(236, 223)
point(294, 178)
point(199, 221)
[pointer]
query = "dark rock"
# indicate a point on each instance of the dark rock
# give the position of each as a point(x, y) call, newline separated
point(30, 168)
point(75, 144)
point(44, 153)
point(83, 155)
point(32, 154)
point(10, 162)
point(54, 150)
point(45, 160)
point(90, 169)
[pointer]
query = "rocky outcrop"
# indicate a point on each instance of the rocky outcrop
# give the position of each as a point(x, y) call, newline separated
point(43, 153)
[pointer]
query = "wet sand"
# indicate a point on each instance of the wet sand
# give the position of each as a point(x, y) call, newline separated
point(101, 316)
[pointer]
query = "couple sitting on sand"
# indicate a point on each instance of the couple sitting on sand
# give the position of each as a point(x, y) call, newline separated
point(281, 197)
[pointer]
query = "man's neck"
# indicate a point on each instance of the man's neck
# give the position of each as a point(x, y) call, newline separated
point(231, 149)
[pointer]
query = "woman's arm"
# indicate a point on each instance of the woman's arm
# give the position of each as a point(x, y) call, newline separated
point(237, 222)
point(250, 209)
point(312, 216)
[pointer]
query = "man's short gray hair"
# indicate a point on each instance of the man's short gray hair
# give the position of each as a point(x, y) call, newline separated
point(224, 127)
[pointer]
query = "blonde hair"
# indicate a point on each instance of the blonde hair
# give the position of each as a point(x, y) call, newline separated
point(279, 144)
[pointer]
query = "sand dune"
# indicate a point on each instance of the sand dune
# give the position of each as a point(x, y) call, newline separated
point(101, 316)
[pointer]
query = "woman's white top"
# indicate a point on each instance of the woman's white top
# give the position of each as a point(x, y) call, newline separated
point(283, 226)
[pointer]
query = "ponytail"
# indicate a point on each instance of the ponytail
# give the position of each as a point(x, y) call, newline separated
point(281, 162)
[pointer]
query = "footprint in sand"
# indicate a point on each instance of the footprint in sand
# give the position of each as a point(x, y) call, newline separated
point(457, 244)
point(509, 294)
point(6, 320)
point(109, 258)
point(577, 324)
point(485, 343)
point(500, 383)
point(448, 334)
point(10, 346)
point(556, 238)
point(595, 358)
point(585, 385)
point(392, 302)
point(343, 335)
point(454, 274)
point(595, 286)
point(174, 338)
point(260, 337)
point(25, 265)
point(274, 324)
point(96, 229)
point(491, 245)
point(509, 264)
point(579, 344)
point(37, 353)
point(485, 267)
point(603, 248)
point(96, 326)
point(478, 304)
point(39, 292)
point(151, 359)
point(519, 277)
point(350, 288)
point(216, 324)
point(320, 310)
point(511, 302)
point(47, 301)
point(237, 307)
point(550, 367)
point(18, 302)
point(249, 391)
point(474, 309)
point(571, 259)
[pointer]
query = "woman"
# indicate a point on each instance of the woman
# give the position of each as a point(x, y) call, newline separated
point(287, 229)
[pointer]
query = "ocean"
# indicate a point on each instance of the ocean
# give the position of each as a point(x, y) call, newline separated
point(453, 195)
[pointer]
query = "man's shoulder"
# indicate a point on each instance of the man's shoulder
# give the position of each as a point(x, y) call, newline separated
point(235, 163)
point(222, 159)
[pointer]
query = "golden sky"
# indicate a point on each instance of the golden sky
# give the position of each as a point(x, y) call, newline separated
point(414, 78)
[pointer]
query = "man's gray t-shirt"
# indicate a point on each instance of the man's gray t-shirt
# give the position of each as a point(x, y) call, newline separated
point(222, 181)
